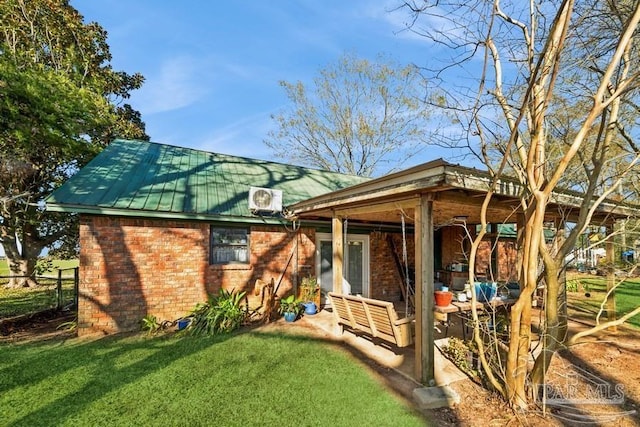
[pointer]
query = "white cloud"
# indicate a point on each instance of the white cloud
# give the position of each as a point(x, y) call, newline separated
point(243, 137)
point(179, 82)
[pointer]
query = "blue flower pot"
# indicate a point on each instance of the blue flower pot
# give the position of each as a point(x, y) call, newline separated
point(289, 316)
point(485, 292)
point(183, 323)
point(310, 308)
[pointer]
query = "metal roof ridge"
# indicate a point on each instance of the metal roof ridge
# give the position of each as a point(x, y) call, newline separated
point(248, 159)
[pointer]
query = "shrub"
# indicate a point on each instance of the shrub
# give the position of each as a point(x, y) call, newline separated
point(221, 314)
point(150, 324)
point(309, 289)
point(458, 352)
point(290, 304)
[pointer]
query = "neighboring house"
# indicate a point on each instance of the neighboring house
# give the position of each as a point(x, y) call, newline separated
point(161, 227)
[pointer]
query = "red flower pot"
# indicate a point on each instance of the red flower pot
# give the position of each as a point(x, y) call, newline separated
point(443, 298)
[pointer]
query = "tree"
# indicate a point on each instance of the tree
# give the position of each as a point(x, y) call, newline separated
point(555, 104)
point(361, 117)
point(60, 103)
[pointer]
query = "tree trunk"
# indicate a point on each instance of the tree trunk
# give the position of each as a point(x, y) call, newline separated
point(22, 272)
point(517, 357)
point(555, 329)
point(21, 265)
point(520, 337)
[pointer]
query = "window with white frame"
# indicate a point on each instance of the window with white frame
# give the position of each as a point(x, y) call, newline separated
point(229, 245)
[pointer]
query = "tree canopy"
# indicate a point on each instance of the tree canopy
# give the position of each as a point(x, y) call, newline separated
point(554, 102)
point(360, 117)
point(60, 103)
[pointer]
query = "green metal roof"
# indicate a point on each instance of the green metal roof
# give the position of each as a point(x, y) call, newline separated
point(510, 231)
point(139, 178)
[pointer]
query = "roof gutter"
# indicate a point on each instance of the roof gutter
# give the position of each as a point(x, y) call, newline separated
point(185, 216)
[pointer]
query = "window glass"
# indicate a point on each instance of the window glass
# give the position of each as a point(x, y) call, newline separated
point(229, 245)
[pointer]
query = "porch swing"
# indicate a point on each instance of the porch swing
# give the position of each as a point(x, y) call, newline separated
point(376, 318)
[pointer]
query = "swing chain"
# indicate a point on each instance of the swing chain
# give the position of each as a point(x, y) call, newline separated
point(406, 266)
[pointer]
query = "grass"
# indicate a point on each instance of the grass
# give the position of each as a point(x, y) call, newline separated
point(248, 378)
point(18, 301)
point(14, 302)
point(57, 263)
point(583, 307)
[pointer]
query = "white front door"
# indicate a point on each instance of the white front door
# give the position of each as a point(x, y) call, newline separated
point(356, 264)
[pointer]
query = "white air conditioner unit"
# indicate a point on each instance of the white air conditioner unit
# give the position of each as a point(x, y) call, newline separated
point(265, 199)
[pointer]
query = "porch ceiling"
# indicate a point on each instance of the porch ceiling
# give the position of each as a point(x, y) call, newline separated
point(448, 206)
point(456, 192)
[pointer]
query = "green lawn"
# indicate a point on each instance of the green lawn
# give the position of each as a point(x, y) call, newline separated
point(14, 302)
point(18, 301)
point(583, 307)
point(57, 263)
point(244, 379)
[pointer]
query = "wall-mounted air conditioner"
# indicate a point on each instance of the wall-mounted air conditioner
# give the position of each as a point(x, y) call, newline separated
point(265, 199)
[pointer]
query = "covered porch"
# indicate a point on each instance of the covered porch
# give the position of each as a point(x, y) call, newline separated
point(428, 197)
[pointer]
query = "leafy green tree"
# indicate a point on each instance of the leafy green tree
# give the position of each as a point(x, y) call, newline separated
point(60, 104)
point(363, 118)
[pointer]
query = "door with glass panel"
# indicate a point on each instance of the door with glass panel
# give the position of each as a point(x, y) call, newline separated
point(355, 268)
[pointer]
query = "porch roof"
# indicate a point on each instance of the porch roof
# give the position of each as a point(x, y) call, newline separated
point(456, 191)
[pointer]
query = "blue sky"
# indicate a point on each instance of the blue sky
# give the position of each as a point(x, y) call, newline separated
point(212, 68)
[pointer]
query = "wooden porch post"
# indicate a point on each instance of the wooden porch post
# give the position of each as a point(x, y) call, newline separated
point(495, 253)
point(338, 252)
point(611, 279)
point(424, 343)
point(559, 239)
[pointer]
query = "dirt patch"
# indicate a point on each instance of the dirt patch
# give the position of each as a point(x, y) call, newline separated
point(47, 324)
point(612, 359)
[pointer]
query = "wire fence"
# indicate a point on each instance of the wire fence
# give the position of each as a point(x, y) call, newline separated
point(55, 291)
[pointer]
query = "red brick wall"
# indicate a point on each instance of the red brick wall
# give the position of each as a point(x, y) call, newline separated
point(453, 250)
point(270, 251)
point(130, 268)
point(385, 277)
point(506, 253)
point(452, 245)
point(483, 259)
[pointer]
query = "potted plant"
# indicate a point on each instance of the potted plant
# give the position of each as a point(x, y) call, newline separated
point(309, 294)
point(290, 308)
point(443, 298)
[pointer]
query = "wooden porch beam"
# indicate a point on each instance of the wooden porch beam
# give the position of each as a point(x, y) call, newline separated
point(379, 207)
point(338, 253)
point(424, 258)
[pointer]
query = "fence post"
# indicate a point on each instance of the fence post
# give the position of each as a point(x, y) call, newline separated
point(76, 285)
point(59, 291)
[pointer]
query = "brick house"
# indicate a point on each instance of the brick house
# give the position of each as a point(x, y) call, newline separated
point(163, 226)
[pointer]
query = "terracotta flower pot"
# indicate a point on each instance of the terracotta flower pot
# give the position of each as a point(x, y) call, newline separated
point(443, 298)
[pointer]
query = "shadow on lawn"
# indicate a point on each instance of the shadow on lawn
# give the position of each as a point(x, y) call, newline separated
point(103, 368)
point(396, 383)
point(98, 358)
